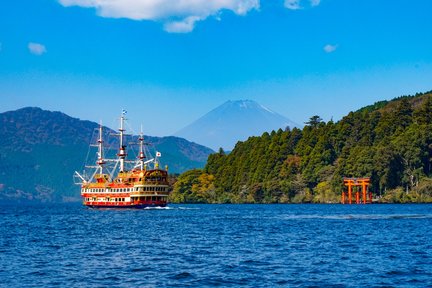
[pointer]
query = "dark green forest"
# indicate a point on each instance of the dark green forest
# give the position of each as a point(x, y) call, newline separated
point(390, 142)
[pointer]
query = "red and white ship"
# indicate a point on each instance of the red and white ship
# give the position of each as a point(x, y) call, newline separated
point(113, 185)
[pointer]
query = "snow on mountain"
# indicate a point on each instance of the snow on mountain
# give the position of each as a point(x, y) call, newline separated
point(233, 121)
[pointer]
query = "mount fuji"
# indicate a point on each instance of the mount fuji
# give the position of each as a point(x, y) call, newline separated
point(231, 122)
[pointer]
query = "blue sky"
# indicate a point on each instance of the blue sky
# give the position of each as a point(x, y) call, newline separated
point(168, 62)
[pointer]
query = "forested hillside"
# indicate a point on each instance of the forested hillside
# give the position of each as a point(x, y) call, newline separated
point(390, 141)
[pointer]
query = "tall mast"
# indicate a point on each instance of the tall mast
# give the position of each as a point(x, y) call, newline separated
point(141, 149)
point(101, 161)
point(122, 151)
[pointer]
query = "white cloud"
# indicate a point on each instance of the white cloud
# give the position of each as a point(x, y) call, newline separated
point(184, 26)
point(292, 4)
point(300, 4)
point(177, 15)
point(330, 48)
point(36, 48)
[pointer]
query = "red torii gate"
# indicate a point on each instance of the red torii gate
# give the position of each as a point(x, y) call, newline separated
point(357, 183)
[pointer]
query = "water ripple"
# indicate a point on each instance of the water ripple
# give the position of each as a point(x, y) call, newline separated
point(217, 245)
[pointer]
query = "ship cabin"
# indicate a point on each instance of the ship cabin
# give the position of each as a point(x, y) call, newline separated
point(137, 187)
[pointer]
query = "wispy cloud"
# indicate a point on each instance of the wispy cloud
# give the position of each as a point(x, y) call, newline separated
point(300, 4)
point(292, 4)
point(177, 16)
point(315, 2)
point(183, 26)
point(36, 48)
point(330, 48)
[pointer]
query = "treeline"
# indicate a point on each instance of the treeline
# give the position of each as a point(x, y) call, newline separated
point(390, 142)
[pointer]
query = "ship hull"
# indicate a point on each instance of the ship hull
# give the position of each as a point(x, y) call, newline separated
point(126, 205)
point(140, 206)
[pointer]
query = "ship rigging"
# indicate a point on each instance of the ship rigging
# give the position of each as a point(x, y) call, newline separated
point(136, 184)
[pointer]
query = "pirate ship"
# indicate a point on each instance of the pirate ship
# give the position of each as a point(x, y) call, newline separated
point(121, 183)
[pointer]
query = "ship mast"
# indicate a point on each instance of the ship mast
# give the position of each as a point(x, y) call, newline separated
point(122, 151)
point(101, 161)
point(141, 149)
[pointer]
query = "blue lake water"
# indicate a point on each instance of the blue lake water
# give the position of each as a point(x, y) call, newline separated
point(69, 245)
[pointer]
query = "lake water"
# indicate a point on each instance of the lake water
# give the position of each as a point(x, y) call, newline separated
point(69, 245)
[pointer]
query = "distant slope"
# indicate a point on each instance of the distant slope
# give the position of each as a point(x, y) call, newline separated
point(41, 150)
point(231, 122)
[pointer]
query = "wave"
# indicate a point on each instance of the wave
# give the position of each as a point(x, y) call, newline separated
point(360, 216)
